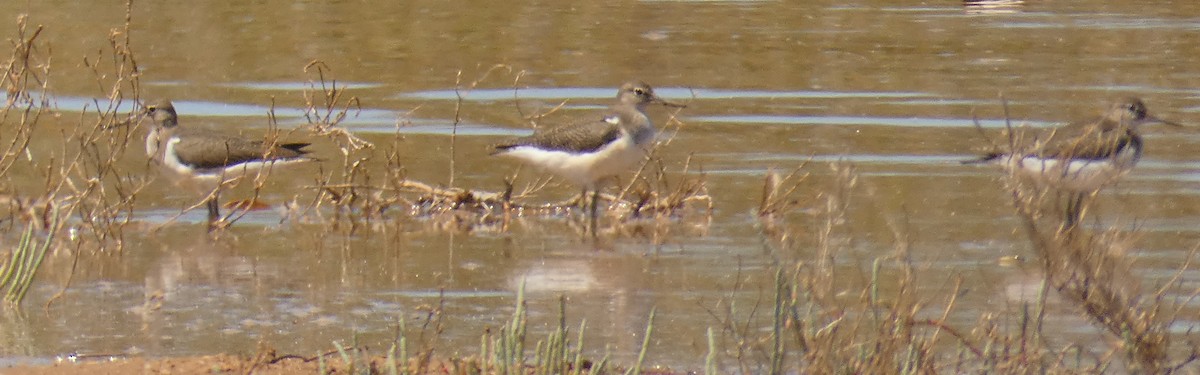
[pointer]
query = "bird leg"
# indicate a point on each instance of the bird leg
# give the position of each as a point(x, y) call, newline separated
point(595, 203)
point(214, 210)
point(1074, 211)
point(580, 200)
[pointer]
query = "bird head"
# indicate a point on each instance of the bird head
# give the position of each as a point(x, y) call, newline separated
point(1132, 111)
point(163, 113)
point(639, 94)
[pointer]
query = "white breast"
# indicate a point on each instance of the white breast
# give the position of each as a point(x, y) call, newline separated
point(1079, 175)
point(585, 169)
point(152, 142)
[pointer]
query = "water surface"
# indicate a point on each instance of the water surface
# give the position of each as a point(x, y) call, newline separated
point(891, 88)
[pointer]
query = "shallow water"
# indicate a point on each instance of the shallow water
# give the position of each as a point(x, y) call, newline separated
point(888, 87)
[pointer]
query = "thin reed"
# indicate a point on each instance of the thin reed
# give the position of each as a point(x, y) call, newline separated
point(18, 271)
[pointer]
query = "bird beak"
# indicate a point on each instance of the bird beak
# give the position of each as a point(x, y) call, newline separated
point(133, 118)
point(123, 123)
point(668, 104)
point(1156, 120)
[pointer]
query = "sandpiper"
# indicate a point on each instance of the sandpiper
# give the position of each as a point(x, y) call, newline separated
point(592, 149)
point(1084, 156)
point(211, 159)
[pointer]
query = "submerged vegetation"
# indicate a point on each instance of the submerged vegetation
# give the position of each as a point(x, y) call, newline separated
point(355, 200)
point(817, 320)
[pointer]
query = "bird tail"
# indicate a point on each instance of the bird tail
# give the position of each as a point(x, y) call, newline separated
point(986, 158)
point(297, 147)
point(293, 151)
point(501, 148)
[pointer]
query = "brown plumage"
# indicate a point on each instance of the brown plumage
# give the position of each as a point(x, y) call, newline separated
point(597, 147)
point(576, 151)
point(579, 137)
point(208, 157)
point(206, 151)
point(1082, 156)
point(198, 153)
point(1099, 138)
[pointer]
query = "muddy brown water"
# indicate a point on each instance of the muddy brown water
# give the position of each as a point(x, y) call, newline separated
point(888, 86)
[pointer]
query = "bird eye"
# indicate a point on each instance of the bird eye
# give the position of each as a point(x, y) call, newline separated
point(639, 91)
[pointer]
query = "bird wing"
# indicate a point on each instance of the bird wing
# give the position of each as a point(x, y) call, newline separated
point(587, 136)
point(1096, 140)
point(1099, 138)
point(206, 151)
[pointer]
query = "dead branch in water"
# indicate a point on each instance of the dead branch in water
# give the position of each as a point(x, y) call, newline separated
point(326, 106)
point(427, 199)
